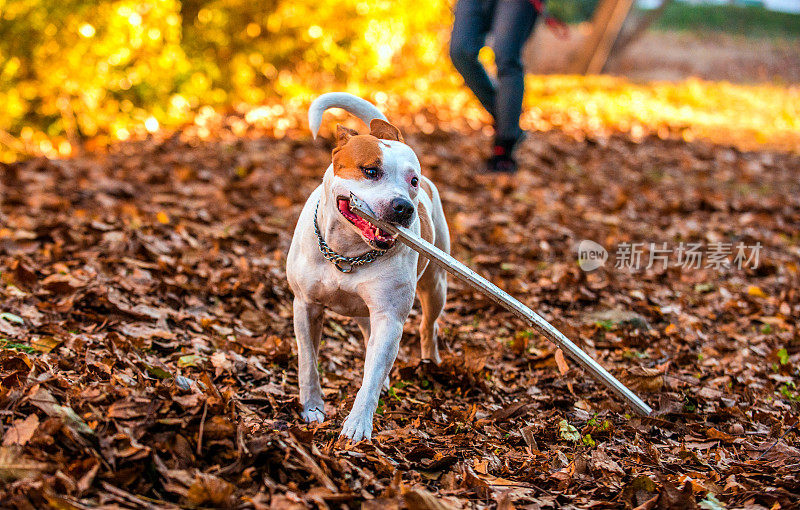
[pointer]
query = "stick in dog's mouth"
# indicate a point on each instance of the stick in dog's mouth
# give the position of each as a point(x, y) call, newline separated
point(375, 236)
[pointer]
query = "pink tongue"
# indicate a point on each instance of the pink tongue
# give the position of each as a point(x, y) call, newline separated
point(373, 233)
point(368, 229)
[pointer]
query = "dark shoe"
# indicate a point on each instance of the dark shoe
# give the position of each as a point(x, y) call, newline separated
point(501, 164)
point(511, 144)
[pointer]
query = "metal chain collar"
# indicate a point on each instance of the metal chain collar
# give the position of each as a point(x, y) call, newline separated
point(342, 263)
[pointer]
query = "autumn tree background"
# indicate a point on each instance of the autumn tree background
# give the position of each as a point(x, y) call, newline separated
point(79, 69)
point(105, 71)
point(154, 160)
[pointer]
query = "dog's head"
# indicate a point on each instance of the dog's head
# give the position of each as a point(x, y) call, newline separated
point(382, 171)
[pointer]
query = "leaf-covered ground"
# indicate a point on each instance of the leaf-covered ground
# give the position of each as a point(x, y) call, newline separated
point(148, 356)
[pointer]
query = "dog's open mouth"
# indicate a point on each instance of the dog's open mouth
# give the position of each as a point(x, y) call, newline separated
point(375, 236)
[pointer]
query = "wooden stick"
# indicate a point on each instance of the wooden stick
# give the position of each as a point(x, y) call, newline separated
point(499, 296)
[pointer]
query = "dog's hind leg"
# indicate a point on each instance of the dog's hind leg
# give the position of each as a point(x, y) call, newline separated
point(432, 293)
point(432, 284)
point(308, 331)
point(363, 325)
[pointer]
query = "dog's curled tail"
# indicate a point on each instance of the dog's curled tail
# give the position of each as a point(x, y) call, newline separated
point(361, 108)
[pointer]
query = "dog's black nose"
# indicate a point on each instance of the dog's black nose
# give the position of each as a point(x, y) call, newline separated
point(402, 210)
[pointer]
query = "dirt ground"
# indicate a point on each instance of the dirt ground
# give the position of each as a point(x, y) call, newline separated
point(674, 56)
point(148, 356)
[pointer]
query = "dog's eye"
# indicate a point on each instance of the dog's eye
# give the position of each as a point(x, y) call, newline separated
point(371, 172)
point(414, 181)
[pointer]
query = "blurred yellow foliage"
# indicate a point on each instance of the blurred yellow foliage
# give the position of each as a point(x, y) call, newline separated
point(76, 69)
point(72, 70)
point(748, 116)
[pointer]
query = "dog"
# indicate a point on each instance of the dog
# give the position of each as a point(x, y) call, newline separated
point(341, 262)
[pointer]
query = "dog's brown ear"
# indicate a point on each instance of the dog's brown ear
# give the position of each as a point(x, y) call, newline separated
point(382, 129)
point(343, 134)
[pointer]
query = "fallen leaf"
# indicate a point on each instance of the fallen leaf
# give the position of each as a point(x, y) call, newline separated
point(21, 431)
point(190, 360)
point(644, 379)
point(62, 283)
point(45, 343)
point(713, 433)
point(208, 489)
point(42, 399)
point(711, 503)
point(640, 493)
point(421, 499)
point(10, 317)
point(15, 466)
point(567, 432)
point(601, 462)
point(563, 367)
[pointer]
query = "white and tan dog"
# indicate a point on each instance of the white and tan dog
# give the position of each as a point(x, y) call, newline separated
point(343, 263)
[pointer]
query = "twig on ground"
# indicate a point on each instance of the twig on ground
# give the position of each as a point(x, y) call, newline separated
point(200, 432)
point(777, 441)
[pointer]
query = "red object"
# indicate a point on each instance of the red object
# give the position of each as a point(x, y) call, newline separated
point(556, 25)
point(499, 150)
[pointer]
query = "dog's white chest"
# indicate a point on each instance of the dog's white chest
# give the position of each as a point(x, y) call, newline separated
point(334, 290)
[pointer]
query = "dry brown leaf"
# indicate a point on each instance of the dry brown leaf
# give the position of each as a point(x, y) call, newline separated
point(283, 502)
point(648, 380)
point(713, 433)
point(127, 409)
point(62, 283)
point(563, 367)
point(475, 357)
point(21, 431)
point(421, 499)
point(45, 401)
point(15, 466)
point(601, 462)
point(208, 489)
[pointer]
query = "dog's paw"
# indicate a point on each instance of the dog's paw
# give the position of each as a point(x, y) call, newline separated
point(433, 358)
point(357, 426)
point(313, 413)
point(430, 350)
point(387, 384)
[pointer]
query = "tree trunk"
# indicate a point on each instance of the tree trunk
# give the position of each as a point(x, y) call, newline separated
point(606, 24)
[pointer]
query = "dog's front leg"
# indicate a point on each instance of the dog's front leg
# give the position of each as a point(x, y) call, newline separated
point(308, 331)
point(384, 342)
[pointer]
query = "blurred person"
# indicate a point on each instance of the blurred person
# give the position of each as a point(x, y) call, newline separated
point(511, 23)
